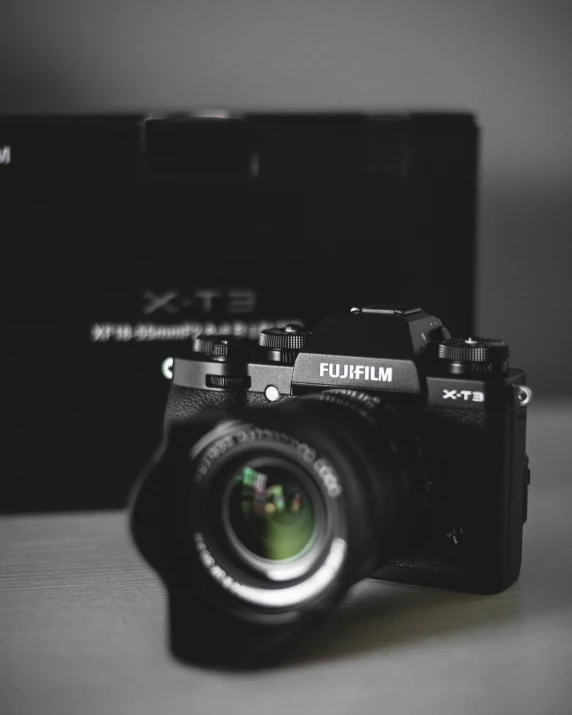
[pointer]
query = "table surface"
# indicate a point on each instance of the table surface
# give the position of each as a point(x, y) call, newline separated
point(82, 626)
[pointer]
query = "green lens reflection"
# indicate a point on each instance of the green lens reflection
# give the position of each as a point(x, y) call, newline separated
point(271, 513)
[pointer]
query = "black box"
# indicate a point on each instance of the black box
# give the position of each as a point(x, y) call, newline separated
point(125, 236)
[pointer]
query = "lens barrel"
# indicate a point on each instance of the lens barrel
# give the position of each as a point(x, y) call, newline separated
point(266, 517)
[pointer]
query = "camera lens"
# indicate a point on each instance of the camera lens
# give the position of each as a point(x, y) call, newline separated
point(266, 516)
point(268, 513)
point(289, 501)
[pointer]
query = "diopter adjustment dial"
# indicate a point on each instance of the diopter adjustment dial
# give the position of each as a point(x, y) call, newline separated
point(283, 344)
point(473, 356)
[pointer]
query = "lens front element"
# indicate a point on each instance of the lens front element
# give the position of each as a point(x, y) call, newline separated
point(270, 513)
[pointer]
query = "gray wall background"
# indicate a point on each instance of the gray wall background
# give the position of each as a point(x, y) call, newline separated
point(508, 61)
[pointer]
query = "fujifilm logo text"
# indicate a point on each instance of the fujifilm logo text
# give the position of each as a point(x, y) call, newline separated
point(356, 372)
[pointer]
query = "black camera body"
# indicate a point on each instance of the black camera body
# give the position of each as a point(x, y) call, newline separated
point(470, 425)
point(412, 441)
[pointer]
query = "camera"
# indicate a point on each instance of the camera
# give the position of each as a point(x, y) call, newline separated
point(375, 446)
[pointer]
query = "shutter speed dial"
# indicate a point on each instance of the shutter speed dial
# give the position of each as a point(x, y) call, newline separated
point(473, 356)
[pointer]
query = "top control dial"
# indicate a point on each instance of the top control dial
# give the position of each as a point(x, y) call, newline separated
point(204, 343)
point(473, 356)
point(283, 344)
point(220, 346)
